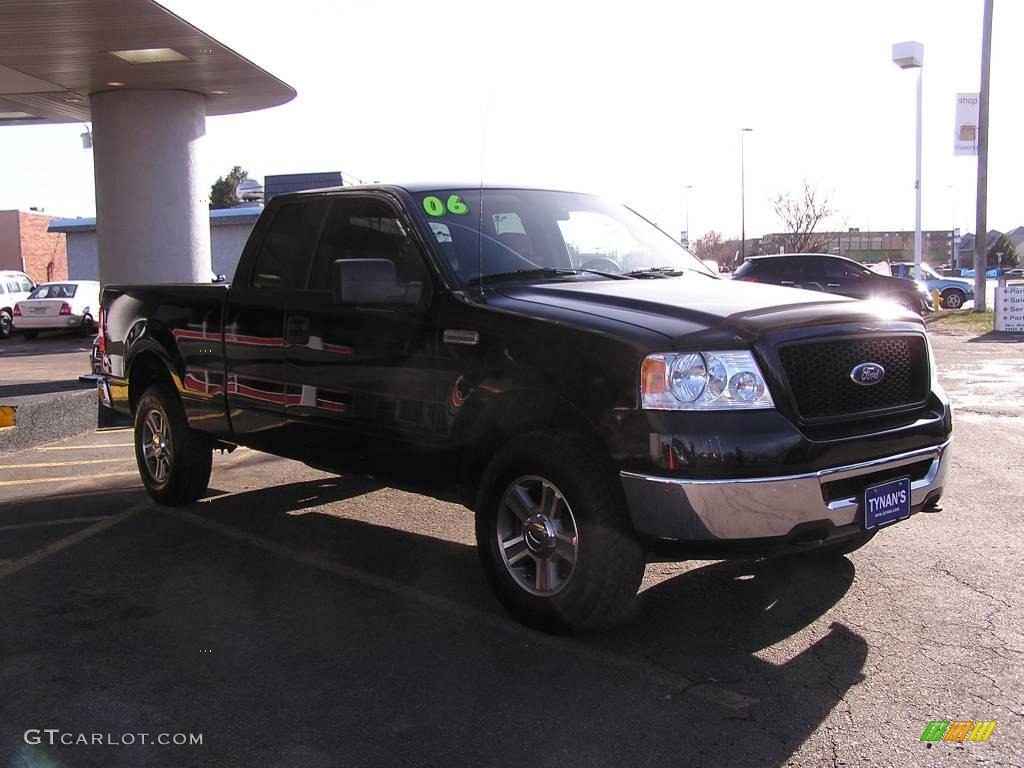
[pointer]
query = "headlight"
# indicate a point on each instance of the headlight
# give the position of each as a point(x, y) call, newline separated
point(703, 381)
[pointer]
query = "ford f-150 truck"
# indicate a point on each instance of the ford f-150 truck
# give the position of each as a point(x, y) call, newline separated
point(554, 362)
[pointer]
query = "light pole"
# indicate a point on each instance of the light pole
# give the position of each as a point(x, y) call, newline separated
point(910, 55)
point(743, 198)
point(688, 187)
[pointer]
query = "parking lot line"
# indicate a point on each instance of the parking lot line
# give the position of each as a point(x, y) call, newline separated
point(76, 463)
point(68, 541)
point(43, 523)
point(37, 480)
point(91, 446)
point(707, 691)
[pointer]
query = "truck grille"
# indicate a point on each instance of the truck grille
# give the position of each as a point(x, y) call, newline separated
point(818, 374)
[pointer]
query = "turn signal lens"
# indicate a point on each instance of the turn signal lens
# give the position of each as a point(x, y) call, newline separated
point(654, 376)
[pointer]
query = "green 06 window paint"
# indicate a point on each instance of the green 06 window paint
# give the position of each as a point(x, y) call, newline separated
point(456, 206)
point(435, 207)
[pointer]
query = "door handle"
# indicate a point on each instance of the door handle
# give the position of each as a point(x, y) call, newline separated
point(297, 330)
point(786, 282)
point(834, 285)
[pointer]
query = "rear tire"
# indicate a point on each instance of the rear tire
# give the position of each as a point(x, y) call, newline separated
point(88, 327)
point(953, 299)
point(553, 534)
point(6, 323)
point(174, 461)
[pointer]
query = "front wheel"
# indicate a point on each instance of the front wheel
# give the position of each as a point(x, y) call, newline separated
point(174, 461)
point(953, 299)
point(553, 534)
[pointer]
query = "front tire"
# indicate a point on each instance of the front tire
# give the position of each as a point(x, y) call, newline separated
point(174, 461)
point(553, 534)
point(953, 299)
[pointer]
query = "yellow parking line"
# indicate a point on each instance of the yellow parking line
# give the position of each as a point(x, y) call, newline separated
point(83, 447)
point(44, 523)
point(67, 541)
point(37, 480)
point(65, 463)
point(707, 691)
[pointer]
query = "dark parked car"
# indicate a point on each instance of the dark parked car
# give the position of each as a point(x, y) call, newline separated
point(834, 274)
point(554, 362)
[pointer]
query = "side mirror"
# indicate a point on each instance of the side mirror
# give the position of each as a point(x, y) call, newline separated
point(372, 283)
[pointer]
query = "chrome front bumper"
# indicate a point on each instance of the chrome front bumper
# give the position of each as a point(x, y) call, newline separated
point(736, 510)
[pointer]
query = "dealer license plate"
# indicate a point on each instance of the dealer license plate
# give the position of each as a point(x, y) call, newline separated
point(887, 503)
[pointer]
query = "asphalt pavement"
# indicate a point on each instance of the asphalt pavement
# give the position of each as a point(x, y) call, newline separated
point(295, 618)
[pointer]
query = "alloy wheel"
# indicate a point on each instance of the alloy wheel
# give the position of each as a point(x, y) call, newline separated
point(537, 536)
point(157, 449)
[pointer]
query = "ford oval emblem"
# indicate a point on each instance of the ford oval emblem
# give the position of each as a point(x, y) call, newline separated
point(867, 374)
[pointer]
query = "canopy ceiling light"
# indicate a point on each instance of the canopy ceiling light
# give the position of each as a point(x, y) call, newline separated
point(151, 55)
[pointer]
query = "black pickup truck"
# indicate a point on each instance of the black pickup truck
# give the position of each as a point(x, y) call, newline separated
point(554, 362)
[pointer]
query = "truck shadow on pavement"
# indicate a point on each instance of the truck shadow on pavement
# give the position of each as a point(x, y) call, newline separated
point(287, 636)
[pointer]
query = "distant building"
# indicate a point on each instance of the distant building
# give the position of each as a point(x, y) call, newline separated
point(229, 229)
point(26, 245)
point(298, 182)
point(937, 246)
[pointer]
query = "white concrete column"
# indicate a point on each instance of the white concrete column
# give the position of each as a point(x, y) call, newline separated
point(151, 223)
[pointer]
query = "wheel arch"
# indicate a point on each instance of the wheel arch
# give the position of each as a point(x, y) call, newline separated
point(486, 424)
point(148, 365)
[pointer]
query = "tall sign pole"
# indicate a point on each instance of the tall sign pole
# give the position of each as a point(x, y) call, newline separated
point(981, 228)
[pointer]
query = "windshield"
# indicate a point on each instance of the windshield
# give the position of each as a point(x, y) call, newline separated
point(54, 291)
point(929, 272)
point(553, 235)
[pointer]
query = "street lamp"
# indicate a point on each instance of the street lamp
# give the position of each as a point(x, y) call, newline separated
point(910, 55)
point(688, 187)
point(743, 198)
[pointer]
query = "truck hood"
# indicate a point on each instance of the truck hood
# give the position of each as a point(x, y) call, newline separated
point(678, 308)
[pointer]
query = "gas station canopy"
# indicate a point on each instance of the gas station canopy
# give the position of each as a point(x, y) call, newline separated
point(54, 54)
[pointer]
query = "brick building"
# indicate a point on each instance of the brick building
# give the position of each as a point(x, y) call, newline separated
point(27, 246)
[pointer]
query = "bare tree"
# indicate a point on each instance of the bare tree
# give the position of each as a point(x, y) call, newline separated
point(800, 216)
point(710, 246)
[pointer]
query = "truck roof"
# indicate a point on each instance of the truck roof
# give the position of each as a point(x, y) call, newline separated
point(427, 186)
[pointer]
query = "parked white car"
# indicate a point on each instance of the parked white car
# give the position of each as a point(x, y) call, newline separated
point(59, 306)
point(14, 287)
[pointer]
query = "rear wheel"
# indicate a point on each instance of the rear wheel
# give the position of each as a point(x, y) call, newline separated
point(553, 534)
point(88, 326)
point(953, 299)
point(174, 461)
point(6, 323)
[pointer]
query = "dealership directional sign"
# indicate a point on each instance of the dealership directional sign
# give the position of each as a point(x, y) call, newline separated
point(1010, 308)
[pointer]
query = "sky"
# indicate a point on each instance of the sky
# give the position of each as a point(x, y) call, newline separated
point(636, 100)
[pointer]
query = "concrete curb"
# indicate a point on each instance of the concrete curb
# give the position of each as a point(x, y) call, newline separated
point(45, 418)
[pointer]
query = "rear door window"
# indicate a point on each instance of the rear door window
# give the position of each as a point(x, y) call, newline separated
point(276, 260)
